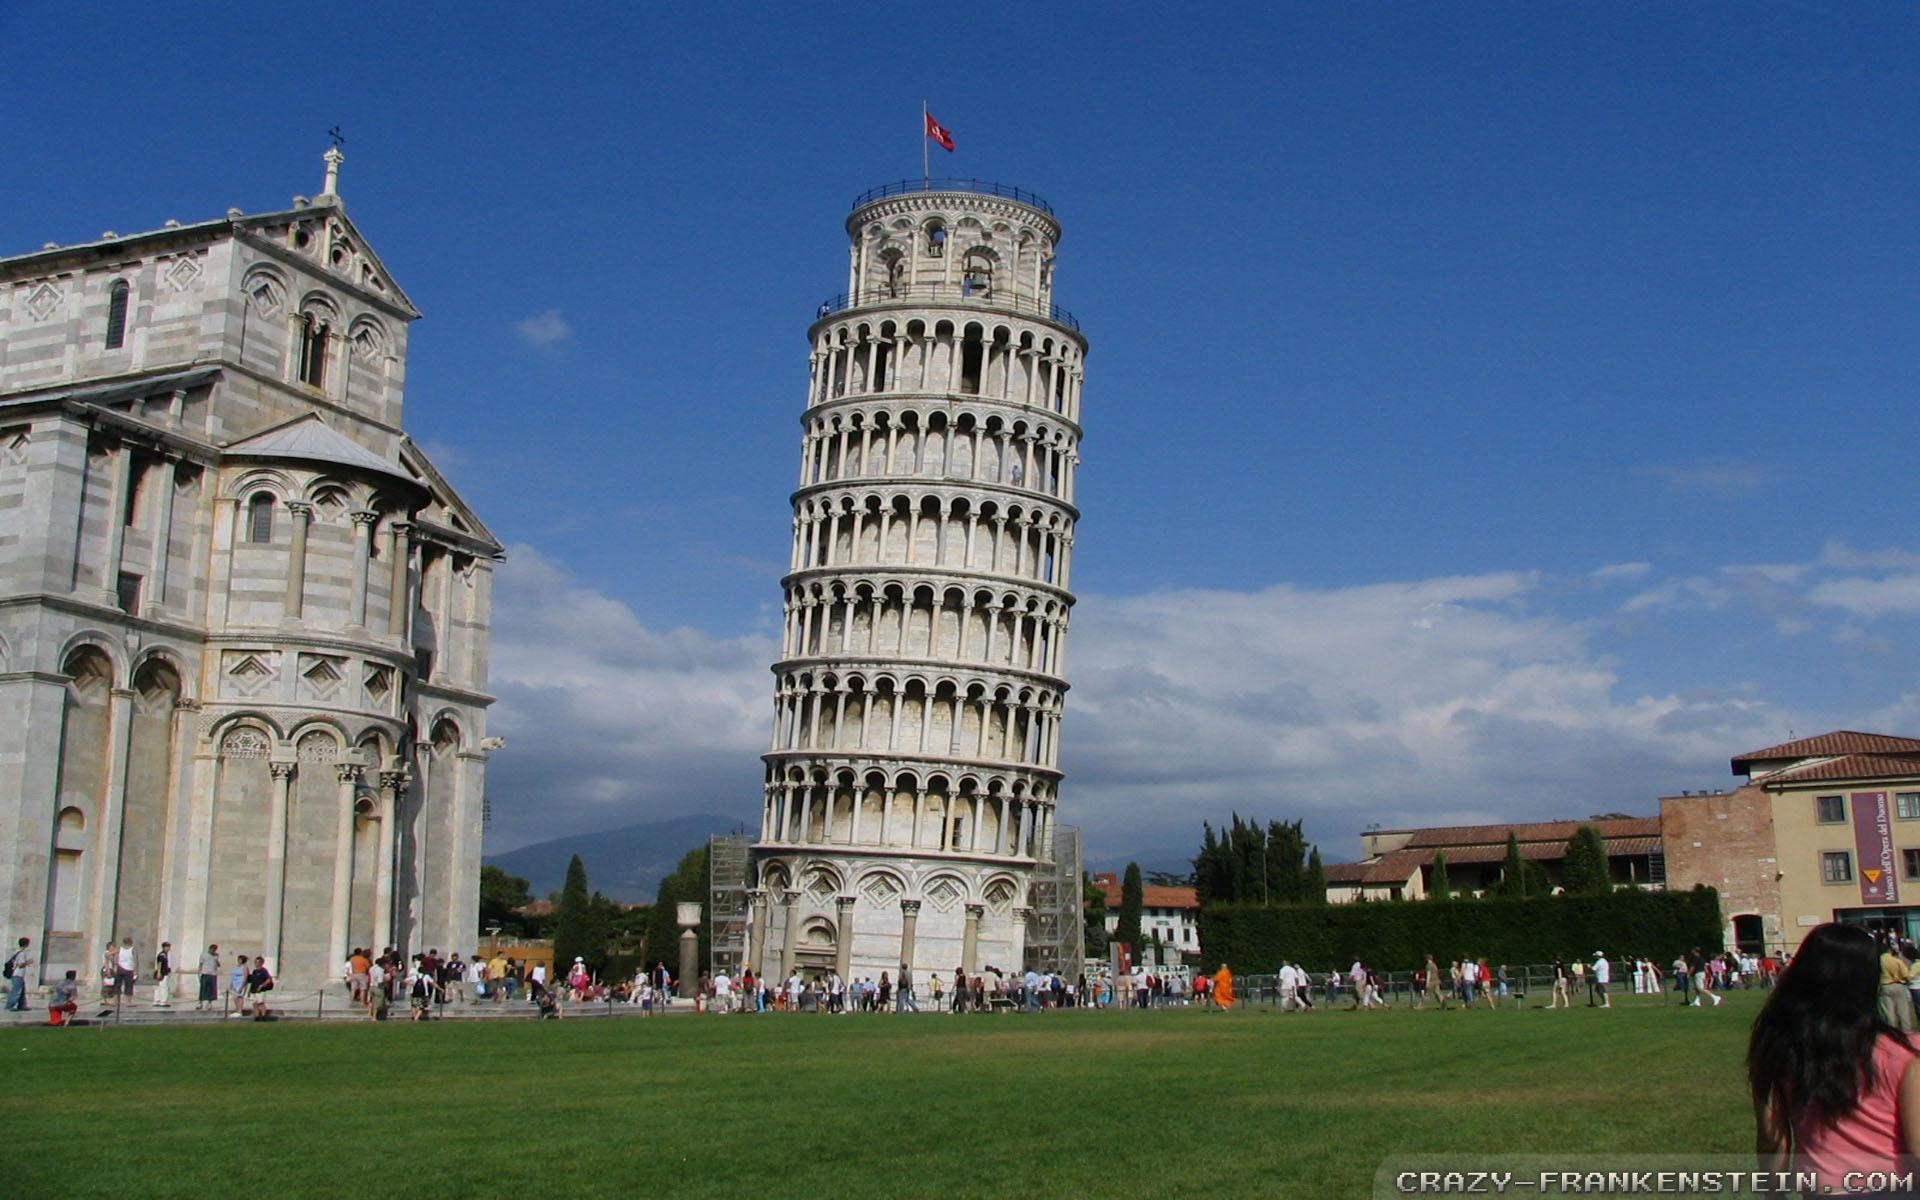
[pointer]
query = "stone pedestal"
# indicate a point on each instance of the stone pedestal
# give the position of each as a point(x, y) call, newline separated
point(689, 964)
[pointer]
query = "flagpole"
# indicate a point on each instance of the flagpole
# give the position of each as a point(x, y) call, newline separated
point(926, 171)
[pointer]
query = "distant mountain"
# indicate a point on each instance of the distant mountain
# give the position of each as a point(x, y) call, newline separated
point(626, 864)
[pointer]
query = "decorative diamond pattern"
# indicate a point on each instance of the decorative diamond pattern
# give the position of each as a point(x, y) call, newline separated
point(266, 298)
point(943, 894)
point(880, 890)
point(183, 274)
point(42, 300)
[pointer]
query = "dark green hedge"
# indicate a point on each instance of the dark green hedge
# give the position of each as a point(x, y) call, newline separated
point(1398, 935)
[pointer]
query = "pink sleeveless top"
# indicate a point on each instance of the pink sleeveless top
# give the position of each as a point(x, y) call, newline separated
point(1866, 1139)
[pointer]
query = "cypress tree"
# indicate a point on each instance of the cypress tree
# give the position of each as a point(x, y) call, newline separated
point(1513, 876)
point(1206, 868)
point(572, 930)
point(1442, 887)
point(1585, 871)
point(1131, 897)
point(1314, 880)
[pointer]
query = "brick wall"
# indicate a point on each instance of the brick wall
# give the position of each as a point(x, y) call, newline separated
point(1726, 842)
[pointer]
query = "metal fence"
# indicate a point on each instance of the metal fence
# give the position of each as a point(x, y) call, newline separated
point(1534, 980)
point(978, 187)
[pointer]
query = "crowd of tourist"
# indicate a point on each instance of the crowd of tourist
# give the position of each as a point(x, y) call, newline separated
point(424, 984)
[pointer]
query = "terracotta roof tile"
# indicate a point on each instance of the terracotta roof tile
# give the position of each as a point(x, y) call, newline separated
point(1449, 836)
point(1151, 895)
point(1839, 742)
point(1851, 766)
point(1400, 865)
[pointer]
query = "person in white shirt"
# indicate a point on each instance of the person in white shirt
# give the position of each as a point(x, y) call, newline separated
point(1469, 976)
point(722, 992)
point(1357, 976)
point(1289, 986)
point(794, 988)
point(126, 968)
point(1602, 975)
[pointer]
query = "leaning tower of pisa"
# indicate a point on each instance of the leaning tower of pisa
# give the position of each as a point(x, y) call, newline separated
point(914, 770)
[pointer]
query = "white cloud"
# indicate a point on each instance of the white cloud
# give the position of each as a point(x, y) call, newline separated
point(544, 330)
point(610, 722)
point(1424, 701)
point(1724, 478)
point(1620, 572)
point(1869, 597)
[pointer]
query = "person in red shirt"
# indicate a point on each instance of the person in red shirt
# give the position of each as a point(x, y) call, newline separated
point(1836, 1090)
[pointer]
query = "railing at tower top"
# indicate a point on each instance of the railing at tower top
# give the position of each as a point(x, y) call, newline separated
point(963, 292)
point(980, 187)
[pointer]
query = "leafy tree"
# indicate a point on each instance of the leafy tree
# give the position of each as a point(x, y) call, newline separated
point(573, 932)
point(689, 882)
point(1313, 884)
point(1093, 910)
point(1131, 898)
point(1585, 870)
point(1441, 888)
point(500, 894)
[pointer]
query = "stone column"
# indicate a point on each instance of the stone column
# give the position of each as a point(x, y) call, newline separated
point(909, 921)
point(155, 594)
point(392, 783)
point(276, 862)
point(362, 554)
point(399, 604)
point(757, 900)
point(349, 774)
point(106, 895)
point(843, 942)
point(970, 945)
point(296, 600)
point(790, 935)
point(121, 474)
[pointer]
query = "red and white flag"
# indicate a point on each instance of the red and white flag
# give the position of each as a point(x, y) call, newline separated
point(939, 133)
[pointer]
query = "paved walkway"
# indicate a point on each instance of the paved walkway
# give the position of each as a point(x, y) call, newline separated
point(331, 1005)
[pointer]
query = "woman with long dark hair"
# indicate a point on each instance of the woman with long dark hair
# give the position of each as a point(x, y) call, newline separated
point(1835, 1088)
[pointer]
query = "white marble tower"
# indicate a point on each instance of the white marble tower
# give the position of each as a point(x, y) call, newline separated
point(911, 784)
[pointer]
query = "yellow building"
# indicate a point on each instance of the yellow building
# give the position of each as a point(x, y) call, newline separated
point(1826, 828)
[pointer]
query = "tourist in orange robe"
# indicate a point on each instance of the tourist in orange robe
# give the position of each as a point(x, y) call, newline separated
point(1223, 988)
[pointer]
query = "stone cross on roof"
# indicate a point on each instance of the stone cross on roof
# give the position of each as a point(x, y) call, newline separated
point(333, 158)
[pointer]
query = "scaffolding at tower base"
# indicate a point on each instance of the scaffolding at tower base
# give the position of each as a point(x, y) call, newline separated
point(727, 919)
point(1056, 934)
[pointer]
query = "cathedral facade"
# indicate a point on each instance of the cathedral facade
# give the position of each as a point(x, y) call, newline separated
point(243, 620)
point(914, 769)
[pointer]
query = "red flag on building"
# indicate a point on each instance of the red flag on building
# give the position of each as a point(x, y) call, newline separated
point(939, 133)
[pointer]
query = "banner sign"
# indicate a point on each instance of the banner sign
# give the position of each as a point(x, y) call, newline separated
point(1873, 839)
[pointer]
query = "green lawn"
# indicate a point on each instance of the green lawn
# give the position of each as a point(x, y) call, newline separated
point(1059, 1105)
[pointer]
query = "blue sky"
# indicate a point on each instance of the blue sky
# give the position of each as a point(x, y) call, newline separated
point(1494, 410)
